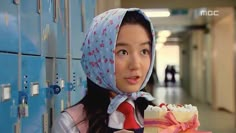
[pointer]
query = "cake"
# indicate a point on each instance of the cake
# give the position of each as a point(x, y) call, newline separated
point(171, 118)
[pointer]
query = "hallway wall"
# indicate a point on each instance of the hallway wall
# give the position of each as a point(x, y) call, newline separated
point(185, 63)
point(103, 5)
point(210, 56)
point(223, 60)
point(207, 67)
point(196, 66)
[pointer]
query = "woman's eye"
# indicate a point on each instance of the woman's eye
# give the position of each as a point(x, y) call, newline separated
point(122, 52)
point(145, 52)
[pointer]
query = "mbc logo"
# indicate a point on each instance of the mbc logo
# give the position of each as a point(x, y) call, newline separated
point(209, 13)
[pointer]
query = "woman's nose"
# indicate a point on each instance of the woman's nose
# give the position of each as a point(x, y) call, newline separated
point(134, 62)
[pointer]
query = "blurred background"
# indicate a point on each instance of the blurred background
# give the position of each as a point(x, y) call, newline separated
point(40, 56)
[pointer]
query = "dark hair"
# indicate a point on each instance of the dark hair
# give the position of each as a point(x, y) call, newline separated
point(97, 99)
point(133, 17)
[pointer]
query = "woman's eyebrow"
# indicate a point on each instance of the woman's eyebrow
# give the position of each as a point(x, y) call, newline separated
point(127, 44)
point(145, 43)
point(121, 44)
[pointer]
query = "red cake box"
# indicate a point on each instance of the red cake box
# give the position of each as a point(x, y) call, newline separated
point(171, 118)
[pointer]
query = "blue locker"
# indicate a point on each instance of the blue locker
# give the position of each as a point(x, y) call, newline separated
point(76, 34)
point(78, 78)
point(76, 44)
point(33, 74)
point(9, 35)
point(89, 12)
point(8, 108)
point(49, 29)
point(30, 27)
point(56, 76)
point(61, 48)
point(50, 73)
point(60, 100)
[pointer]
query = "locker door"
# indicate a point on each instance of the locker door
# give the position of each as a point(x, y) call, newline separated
point(79, 82)
point(89, 11)
point(9, 35)
point(61, 30)
point(8, 78)
point(60, 100)
point(34, 85)
point(30, 27)
point(76, 34)
point(49, 29)
point(50, 73)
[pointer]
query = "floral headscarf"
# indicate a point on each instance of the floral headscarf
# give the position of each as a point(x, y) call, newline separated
point(98, 59)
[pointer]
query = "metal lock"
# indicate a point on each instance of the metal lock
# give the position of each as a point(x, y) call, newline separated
point(23, 108)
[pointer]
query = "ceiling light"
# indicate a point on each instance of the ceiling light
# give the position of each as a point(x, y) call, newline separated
point(164, 33)
point(157, 12)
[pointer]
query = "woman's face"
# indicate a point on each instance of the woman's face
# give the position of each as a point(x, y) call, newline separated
point(132, 57)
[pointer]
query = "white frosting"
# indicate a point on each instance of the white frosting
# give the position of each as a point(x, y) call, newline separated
point(173, 107)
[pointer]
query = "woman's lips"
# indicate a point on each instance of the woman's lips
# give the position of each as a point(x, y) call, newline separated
point(133, 80)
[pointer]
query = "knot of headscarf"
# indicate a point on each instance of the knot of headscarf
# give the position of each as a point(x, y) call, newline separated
point(116, 101)
point(98, 54)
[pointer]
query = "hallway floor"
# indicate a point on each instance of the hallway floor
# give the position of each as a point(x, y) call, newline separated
point(217, 121)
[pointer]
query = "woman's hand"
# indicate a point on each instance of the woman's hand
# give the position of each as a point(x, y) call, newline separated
point(124, 131)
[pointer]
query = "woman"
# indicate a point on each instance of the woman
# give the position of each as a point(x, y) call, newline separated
point(118, 57)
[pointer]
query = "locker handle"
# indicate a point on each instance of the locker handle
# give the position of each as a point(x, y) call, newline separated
point(39, 6)
point(17, 2)
point(83, 13)
point(66, 13)
point(55, 17)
